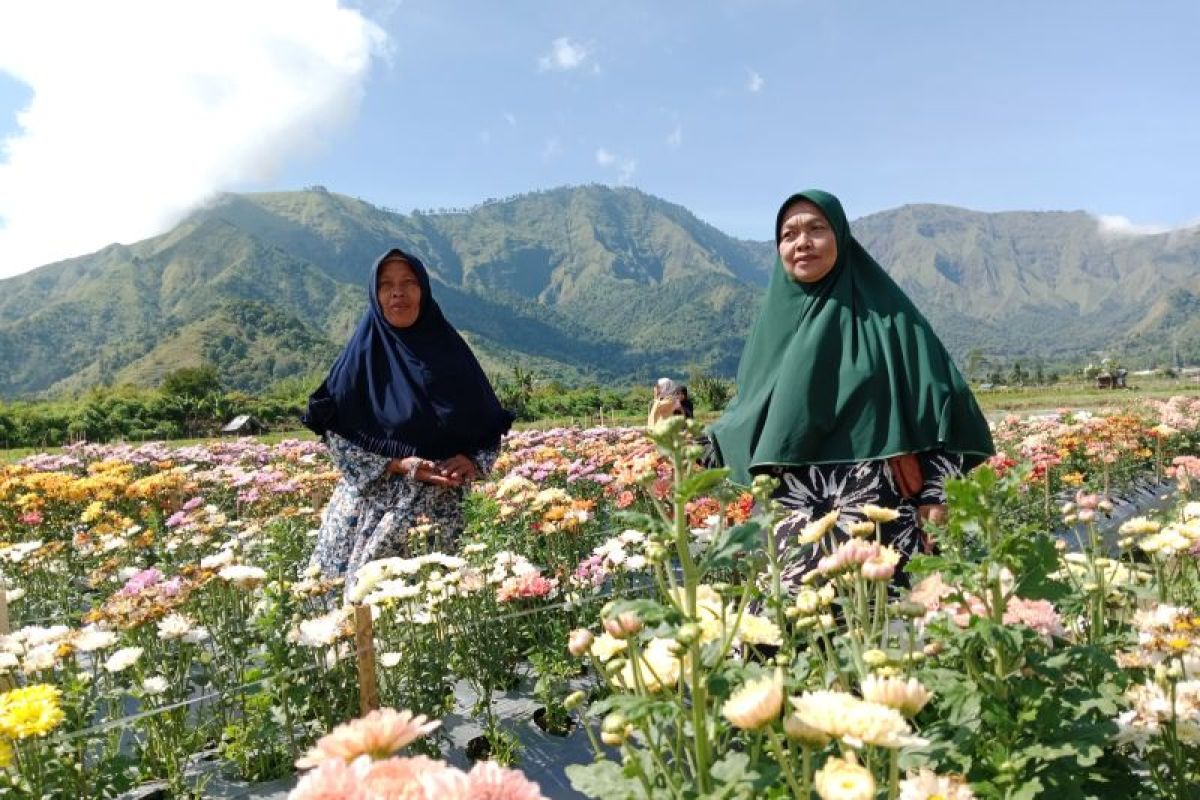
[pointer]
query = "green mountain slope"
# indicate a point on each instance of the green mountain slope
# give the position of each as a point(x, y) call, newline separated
point(585, 282)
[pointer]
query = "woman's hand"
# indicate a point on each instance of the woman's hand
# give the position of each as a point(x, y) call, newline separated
point(459, 468)
point(423, 470)
point(933, 513)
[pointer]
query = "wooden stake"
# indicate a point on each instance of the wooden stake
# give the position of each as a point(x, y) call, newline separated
point(5, 628)
point(364, 647)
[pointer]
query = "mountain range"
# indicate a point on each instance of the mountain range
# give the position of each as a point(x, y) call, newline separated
point(581, 283)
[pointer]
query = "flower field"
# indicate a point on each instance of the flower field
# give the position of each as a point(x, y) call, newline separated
point(160, 607)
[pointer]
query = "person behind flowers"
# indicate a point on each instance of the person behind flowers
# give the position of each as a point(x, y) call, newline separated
point(846, 395)
point(410, 419)
point(665, 404)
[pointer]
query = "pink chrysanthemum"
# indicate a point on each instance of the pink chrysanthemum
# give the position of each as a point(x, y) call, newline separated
point(333, 780)
point(378, 735)
point(403, 778)
point(490, 781)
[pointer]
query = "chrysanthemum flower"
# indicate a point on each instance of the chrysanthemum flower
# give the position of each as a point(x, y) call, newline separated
point(854, 721)
point(334, 780)
point(879, 514)
point(658, 667)
point(928, 785)
point(755, 704)
point(30, 711)
point(123, 659)
point(907, 697)
point(844, 779)
point(814, 531)
point(378, 735)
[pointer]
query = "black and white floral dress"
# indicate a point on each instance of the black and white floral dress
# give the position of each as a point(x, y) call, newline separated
point(811, 492)
point(372, 514)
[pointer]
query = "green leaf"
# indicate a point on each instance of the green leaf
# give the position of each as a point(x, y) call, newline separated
point(700, 483)
point(603, 780)
point(723, 552)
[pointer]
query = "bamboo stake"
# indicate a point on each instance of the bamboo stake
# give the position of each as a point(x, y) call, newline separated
point(364, 647)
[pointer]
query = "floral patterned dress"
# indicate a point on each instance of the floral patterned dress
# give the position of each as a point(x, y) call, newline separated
point(373, 514)
point(810, 492)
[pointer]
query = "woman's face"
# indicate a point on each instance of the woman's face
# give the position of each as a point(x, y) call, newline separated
point(807, 244)
point(399, 293)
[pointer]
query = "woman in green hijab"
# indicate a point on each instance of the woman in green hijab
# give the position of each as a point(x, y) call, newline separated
point(845, 393)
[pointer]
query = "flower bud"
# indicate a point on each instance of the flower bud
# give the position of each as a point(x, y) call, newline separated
point(808, 601)
point(933, 649)
point(875, 658)
point(687, 633)
point(1105, 505)
point(574, 700)
point(580, 642)
point(613, 723)
point(624, 625)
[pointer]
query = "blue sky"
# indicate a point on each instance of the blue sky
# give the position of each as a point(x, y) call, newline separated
point(726, 107)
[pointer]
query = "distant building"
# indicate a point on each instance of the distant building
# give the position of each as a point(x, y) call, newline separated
point(243, 425)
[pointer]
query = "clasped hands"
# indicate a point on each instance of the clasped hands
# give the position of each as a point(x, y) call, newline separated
point(451, 472)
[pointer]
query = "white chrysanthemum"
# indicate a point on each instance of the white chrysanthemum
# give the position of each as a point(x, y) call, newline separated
point(40, 658)
point(928, 785)
point(218, 560)
point(390, 660)
point(754, 629)
point(174, 626)
point(243, 576)
point(196, 635)
point(155, 685)
point(13, 595)
point(36, 635)
point(1191, 510)
point(8, 661)
point(92, 638)
point(324, 630)
point(123, 659)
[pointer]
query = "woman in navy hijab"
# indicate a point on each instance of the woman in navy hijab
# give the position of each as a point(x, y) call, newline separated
point(409, 418)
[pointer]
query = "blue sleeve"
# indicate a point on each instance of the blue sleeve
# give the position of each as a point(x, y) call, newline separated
point(358, 466)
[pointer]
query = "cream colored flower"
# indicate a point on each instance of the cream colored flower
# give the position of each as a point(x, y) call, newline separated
point(243, 576)
point(757, 703)
point(800, 731)
point(864, 528)
point(907, 697)
point(814, 531)
point(928, 785)
point(92, 638)
point(856, 722)
point(844, 780)
point(878, 513)
point(754, 629)
point(156, 684)
point(123, 659)
point(658, 667)
point(605, 646)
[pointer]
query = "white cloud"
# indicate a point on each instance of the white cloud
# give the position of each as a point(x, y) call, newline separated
point(510, 118)
point(625, 166)
point(675, 137)
point(552, 149)
point(1114, 225)
point(142, 110)
point(755, 82)
point(564, 55)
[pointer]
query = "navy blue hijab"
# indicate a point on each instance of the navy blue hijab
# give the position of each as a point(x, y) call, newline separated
point(415, 391)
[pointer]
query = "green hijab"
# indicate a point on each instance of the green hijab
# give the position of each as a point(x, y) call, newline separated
point(844, 369)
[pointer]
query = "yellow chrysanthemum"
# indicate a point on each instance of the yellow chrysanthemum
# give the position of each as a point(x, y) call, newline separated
point(30, 711)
